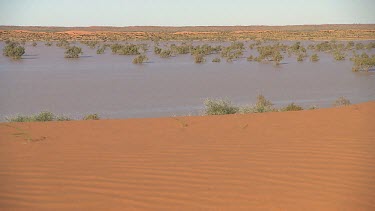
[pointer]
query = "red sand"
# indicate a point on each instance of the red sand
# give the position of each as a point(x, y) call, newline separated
point(310, 160)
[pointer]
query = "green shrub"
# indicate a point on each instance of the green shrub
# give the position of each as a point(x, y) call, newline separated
point(341, 101)
point(216, 60)
point(140, 59)
point(339, 56)
point(363, 62)
point(250, 58)
point(128, 49)
point(199, 59)
point(44, 116)
point(219, 107)
point(157, 50)
point(73, 52)
point(13, 50)
point(63, 44)
point(261, 106)
point(101, 50)
point(292, 107)
point(314, 58)
point(165, 53)
point(300, 58)
point(91, 117)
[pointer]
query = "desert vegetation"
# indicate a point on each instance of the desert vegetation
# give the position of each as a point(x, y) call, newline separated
point(91, 117)
point(44, 116)
point(140, 59)
point(363, 62)
point(262, 105)
point(73, 52)
point(13, 50)
point(341, 101)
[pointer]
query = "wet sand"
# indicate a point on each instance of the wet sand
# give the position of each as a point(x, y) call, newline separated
point(316, 160)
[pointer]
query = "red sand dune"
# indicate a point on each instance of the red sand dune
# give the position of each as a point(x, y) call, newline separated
point(310, 160)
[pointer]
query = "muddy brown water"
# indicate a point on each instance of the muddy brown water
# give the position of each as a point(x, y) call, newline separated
point(113, 87)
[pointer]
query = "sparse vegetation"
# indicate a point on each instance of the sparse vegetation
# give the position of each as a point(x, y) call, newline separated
point(91, 117)
point(219, 107)
point(34, 44)
point(341, 101)
point(314, 58)
point(292, 107)
point(13, 50)
point(262, 105)
point(73, 52)
point(363, 62)
point(217, 60)
point(140, 59)
point(127, 49)
point(44, 116)
point(48, 44)
point(199, 58)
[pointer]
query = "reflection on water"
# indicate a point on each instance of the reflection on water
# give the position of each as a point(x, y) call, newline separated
point(115, 88)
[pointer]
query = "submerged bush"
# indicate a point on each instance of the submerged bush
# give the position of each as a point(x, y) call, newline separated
point(292, 107)
point(314, 58)
point(216, 60)
point(44, 116)
point(91, 117)
point(338, 56)
point(128, 49)
point(219, 107)
point(140, 59)
point(63, 44)
point(363, 62)
point(13, 50)
point(48, 44)
point(73, 52)
point(165, 53)
point(101, 50)
point(199, 59)
point(341, 101)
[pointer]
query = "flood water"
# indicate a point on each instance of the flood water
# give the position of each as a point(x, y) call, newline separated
point(113, 87)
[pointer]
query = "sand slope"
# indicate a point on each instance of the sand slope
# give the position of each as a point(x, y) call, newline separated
point(312, 160)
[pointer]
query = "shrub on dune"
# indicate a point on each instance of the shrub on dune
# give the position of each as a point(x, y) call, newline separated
point(219, 107)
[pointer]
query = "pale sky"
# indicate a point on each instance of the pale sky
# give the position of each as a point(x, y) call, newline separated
point(184, 12)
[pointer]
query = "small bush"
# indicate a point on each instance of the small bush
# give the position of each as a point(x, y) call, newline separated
point(219, 107)
point(292, 107)
point(199, 58)
point(34, 44)
point(48, 44)
point(216, 60)
point(261, 106)
point(13, 50)
point(101, 50)
point(339, 56)
point(300, 58)
point(140, 59)
point(91, 117)
point(314, 58)
point(341, 101)
point(44, 116)
point(165, 53)
point(250, 58)
point(73, 52)
point(363, 62)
